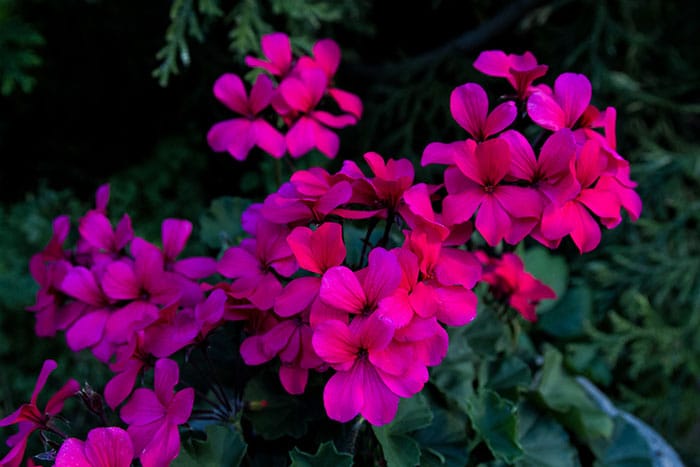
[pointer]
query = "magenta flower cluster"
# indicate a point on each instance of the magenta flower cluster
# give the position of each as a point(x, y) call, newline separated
point(297, 90)
point(577, 180)
point(374, 325)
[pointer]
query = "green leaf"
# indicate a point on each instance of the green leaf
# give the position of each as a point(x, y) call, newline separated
point(484, 335)
point(548, 268)
point(569, 316)
point(545, 442)
point(626, 448)
point(221, 224)
point(444, 441)
point(224, 446)
point(587, 359)
point(283, 414)
point(326, 455)
point(563, 394)
point(494, 418)
point(455, 375)
point(508, 373)
point(399, 448)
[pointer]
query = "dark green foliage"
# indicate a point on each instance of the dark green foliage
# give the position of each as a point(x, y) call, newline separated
point(19, 55)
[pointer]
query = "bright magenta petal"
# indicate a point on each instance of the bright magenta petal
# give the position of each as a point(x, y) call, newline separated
point(546, 112)
point(80, 283)
point(523, 162)
point(261, 94)
point(301, 137)
point(142, 408)
point(326, 140)
point(380, 404)
point(460, 207)
point(347, 101)
point(341, 289)
point(108, 447)
point(335, 343)
point(343, 396)
point(469, 106)
point(235, 136)
point(382, 275)
point(268, 138)
point(87, 330)
point(96, 228)
point(293, 379)
point(175, 233)
point(492, 222)
point(573, 92)
point(493, 63)
point(72, 453)
point(500, 118)
point(230, 90)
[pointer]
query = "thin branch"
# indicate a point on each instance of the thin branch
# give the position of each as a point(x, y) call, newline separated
point(470, 40)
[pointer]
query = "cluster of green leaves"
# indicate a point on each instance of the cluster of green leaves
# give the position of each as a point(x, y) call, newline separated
point(247, 21)
point(19, 56)
point(642, 343)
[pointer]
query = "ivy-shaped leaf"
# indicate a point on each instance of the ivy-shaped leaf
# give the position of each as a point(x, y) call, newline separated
point(444, 441)
point(545, 443)
point(510, 372)
point(399, 447)
point(495, 419)
point(455, 375)
point(221, 224)
point(485, 335)
point(224, 446)
point(548, 268)
point(568, 318)
point(326, 455)
point(563, 394)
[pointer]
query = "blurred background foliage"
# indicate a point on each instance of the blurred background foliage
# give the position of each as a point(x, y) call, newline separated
point(96, 91)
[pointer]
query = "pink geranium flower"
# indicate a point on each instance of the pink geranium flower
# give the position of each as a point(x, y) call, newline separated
point(320, 249)
point(30, 418)
point(153, 416)
point(470, 108)
point(326, 56)
point(302, 92)
point(144, 284)
point(359, 293)
point(89, 330)
point(277, 49)
point(290, 339)
point(564, 107)
point(239, 135)
point(391, 179)
point(444, 287)
point(104, 447)
point(310, 196)
point(96, 230)
point(175, 233)
point(254, 264)
point(504, 211)
point(509, 281)
point(552, 172)
point(54, 311)
point(130, 361)
point(575, 217)
point(519, 70)
point(370, 374)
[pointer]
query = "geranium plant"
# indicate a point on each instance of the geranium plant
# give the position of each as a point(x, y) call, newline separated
point(364, 315)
